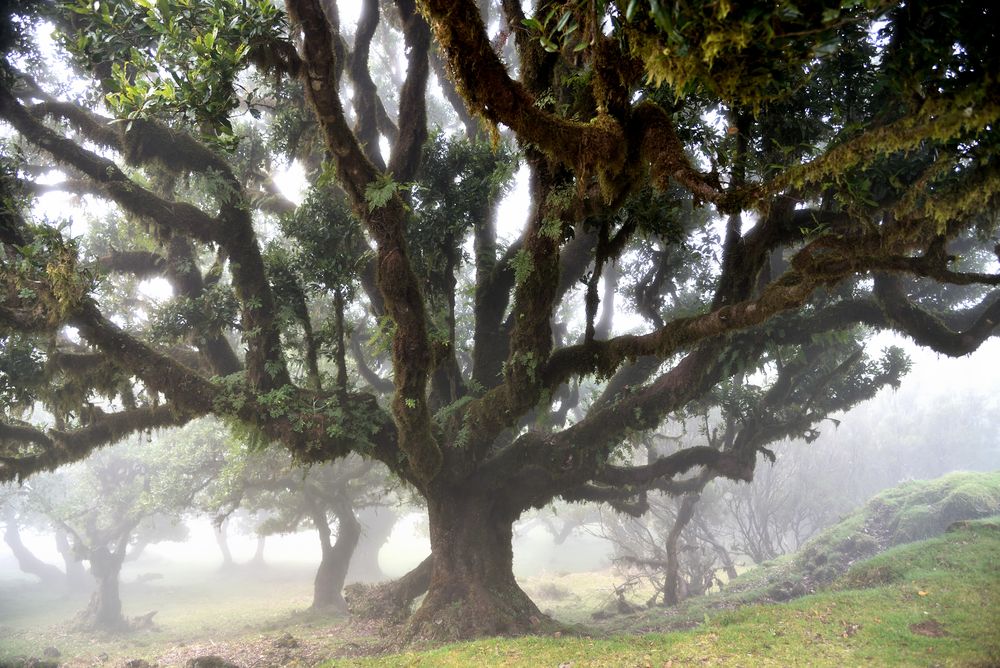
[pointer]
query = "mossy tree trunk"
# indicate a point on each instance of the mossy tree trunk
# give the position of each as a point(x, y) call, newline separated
point(671, 585)
point(105, 609)
point(472, 590)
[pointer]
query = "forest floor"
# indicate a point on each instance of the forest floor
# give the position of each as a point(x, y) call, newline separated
point(933, 602)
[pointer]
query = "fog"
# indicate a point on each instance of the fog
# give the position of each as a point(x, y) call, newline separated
point(933, 385)
point(627, 309)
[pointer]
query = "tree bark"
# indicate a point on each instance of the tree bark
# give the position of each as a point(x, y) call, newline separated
point(105, 609)
point(328, 586)
point(26, 560)
point(472, 590)
point(671, 585)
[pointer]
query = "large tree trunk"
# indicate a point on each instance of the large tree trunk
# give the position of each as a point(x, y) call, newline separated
point(26, 560)
point(328, 587)
point(472, 590)
point(105, 609)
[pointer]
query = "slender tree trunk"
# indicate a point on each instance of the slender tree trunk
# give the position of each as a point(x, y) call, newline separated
point(727, 560)
point(258, 555)
point(76, 573)
point(105, 609)
point(328, 588)
point(472, 589)
point(27, 561)
point(222, 540)
point(671, 585)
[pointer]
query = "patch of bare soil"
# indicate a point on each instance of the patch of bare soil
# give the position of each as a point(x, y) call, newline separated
point(281, 650)
point(931, 628)
point(349, 638)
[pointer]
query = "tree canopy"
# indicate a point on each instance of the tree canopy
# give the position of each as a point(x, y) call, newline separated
point(749, 188)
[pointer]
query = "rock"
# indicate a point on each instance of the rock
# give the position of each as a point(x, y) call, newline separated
point(51, 652)
point(210, 661)
point(287, 640)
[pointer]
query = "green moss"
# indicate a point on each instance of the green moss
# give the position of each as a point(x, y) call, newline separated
point(914, 523)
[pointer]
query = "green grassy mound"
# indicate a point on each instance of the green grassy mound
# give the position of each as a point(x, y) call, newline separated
point(908, 512)
point(903, 514)
point(935, 602)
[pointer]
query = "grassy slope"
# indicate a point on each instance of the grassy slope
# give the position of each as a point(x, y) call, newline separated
point(948, 585)
point(908, 512)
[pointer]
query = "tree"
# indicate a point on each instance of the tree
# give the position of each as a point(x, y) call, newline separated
point(764, 176)
point(16, 513)
point(121, 499)
point(290, 497)
point(14, 517)
point(751, 413)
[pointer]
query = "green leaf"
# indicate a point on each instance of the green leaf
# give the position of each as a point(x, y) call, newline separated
point(378, 193)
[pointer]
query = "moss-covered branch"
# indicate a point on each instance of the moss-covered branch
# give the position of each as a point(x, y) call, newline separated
point(385, 222)
point(405, 158)
point(46, 451)
point(929, 330)
point(232, 229)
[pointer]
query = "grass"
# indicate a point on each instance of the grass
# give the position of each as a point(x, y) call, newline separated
point(930, 603)
point(938, 605)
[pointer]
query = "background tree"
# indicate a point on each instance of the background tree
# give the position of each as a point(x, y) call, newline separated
point(120, 500)
point(290, 498)
point(15, 518)
point(786, 397)
point(831, 166)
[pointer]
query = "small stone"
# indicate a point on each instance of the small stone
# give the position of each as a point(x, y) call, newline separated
point(210, 661)
point(286, 640)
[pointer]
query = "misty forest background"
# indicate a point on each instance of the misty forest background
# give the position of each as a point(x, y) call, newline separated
point(332, 329)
